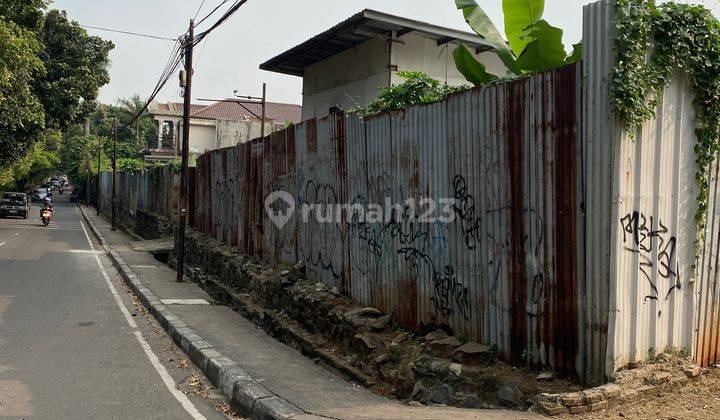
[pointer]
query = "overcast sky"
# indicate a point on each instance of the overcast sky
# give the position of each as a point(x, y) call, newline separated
point(229, 58)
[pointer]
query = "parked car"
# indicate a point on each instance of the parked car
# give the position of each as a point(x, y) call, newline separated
point(14, 204)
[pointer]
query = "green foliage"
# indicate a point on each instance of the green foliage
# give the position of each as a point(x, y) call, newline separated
point(50, 74)
point(534, 44)
point(22, 117)
point(39, 163)
point(521, 15)
point(76, 66)
point(481, 23)
point(418, 88)
point(473, 70)
point(27, 14)
point(131, 164)
point(685, 37)
point(545, 51)
point(79, 157)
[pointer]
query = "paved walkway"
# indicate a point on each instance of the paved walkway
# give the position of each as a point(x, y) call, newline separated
point(281, 369)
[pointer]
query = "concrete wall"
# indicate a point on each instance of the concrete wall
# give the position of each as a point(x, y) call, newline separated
point(232, 133)
point(421, 54)
point(355, 77)
point(203, 135)
point(346, 80)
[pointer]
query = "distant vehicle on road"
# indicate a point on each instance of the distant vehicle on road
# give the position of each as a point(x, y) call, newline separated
point(14, 204)
point(39, 194)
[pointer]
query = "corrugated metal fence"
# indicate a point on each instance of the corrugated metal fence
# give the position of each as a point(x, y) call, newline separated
point(505, 271)
point(572, 244)
point(156, 194)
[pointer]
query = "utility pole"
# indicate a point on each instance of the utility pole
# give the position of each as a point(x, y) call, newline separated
point(114, 169)
point(189, 44)
point(262, 120)
point(99, 169)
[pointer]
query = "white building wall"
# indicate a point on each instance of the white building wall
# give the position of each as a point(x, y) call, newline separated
point(354, 78)
point(422, 54)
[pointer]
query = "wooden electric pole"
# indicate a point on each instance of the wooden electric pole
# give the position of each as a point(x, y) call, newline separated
point(99, 169)
point(184, 172)
point(114, 170)
point(262, 119)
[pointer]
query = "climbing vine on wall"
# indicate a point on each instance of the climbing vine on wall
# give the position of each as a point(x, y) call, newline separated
point(652, 42)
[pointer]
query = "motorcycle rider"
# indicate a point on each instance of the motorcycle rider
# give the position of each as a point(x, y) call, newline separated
point(46, 205)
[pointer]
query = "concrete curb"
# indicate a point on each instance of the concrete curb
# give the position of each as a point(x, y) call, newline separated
point(247, 396)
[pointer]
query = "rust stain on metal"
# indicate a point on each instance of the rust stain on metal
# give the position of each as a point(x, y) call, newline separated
point(224, 197)
point(566, 247)
point(514, 131)
point(339, 139)
point(311, 135)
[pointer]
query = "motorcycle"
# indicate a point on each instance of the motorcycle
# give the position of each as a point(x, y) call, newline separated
point(61, 190)
point(46, 216)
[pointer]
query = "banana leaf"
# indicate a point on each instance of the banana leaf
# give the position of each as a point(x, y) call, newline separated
point(519, 16)
point(576, 54)
point(480, 22)
point(545, 50)
point(473, 70)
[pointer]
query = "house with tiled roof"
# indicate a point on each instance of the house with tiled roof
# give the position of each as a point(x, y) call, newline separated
point(219, 124)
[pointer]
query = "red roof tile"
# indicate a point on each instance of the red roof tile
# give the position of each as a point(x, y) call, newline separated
point(235, 111)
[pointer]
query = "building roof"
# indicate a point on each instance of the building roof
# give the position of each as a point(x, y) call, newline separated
point(234, 110)
point(173, 108)
point(231, 109)
point(358, 29)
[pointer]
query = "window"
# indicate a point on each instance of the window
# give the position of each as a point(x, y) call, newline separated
point(168, 135)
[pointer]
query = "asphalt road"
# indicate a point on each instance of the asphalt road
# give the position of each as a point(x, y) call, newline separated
point(67, 348)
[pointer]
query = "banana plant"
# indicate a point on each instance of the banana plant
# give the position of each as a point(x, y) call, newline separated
point(532, 45)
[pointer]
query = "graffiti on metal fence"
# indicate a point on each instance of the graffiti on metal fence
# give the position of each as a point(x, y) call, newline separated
point(656, 250)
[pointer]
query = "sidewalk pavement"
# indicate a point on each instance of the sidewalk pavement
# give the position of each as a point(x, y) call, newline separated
point(262, 377)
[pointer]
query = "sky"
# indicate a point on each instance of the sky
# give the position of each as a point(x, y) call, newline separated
point(228, 59)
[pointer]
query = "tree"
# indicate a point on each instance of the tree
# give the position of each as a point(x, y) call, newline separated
point(50, 74)
point(27, 14)
point(532, 45)
point(40, 162)
point(76, 66)
point(22, 116)
point(144, 129)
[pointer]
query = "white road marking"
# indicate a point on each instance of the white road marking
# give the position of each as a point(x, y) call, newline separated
point(169, 382)
point(164, 375)
point(184, 302)
point(115, 294)
point(85, 251)
point(87, 236)
point(144, 266)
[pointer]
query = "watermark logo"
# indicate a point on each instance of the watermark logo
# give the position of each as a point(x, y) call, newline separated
point(280, 206)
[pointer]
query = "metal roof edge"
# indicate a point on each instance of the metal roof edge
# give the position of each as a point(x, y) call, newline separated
point(275, 64)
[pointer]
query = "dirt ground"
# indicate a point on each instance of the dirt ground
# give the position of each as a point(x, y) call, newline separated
point(697, 400)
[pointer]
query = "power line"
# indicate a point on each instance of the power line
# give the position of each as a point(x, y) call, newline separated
point(231, 11)
point(129, 33)
point(199, 9)
point(211, 12)
point(176, 58)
